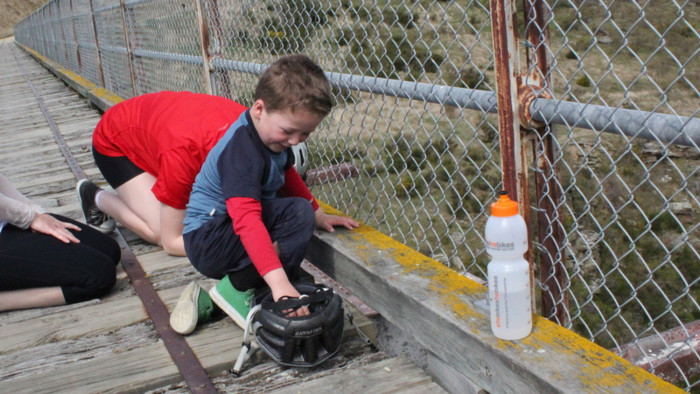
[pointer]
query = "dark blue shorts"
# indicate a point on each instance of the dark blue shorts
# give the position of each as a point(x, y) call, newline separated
point(215, 250)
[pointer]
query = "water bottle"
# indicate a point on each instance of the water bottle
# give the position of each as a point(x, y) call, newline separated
point(508, 271)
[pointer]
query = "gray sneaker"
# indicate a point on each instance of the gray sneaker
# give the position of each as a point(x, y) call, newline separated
point(93, 216)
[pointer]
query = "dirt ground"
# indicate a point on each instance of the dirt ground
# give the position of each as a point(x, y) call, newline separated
point(11, 11)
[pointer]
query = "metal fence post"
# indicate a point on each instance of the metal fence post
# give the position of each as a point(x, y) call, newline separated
point(506, 68)
point(51, 42)
point(216, 36)
point(548, 192)
point(75, 36)
point(97, 45)
point(513, 158)
point(63, 35)
point(129, 49)
point(204, 43)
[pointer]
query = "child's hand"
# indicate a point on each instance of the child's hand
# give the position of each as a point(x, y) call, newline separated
point(289, 292)
point(327, 222)
point(281, 287)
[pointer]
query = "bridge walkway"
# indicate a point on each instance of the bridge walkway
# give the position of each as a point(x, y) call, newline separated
point(122, 343)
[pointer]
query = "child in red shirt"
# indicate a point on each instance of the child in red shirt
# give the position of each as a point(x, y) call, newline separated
point(149, 149)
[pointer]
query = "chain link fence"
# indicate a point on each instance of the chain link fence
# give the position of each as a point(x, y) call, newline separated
point(613, 150)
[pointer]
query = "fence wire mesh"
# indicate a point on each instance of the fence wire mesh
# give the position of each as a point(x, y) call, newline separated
point(429, 160)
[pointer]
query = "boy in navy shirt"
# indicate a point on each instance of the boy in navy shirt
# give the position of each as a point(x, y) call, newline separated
point(250, 216)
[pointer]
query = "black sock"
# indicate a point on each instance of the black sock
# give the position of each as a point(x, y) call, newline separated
point(246, 279)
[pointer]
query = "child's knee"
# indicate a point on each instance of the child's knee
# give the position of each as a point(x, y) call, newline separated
point(99, 283)
point(103, 280)
point(305, 217)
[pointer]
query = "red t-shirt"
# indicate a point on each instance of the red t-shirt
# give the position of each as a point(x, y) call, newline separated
point(168, 135)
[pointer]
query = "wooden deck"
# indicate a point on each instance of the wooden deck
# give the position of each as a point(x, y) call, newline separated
point(111, 345)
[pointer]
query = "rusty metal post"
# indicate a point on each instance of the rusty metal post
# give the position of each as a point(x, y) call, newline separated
point(129, 49)
point(549, 194)
point(48, 27)
point(215, 48)
point(507, 67)
point(55, 26)
point(204, 44)
point(97, 45)
point(79, 71)
point(513, 158)
point(63, 34)
point(507, 73)
point(51, 44)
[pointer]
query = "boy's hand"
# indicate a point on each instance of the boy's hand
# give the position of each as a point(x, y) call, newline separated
point(327, 222)
point(280, 286)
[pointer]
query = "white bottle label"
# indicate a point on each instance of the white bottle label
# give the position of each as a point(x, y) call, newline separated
point(510, 305)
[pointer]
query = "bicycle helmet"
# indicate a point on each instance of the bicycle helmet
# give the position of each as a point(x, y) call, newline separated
point(304, 341)
point(301, 158)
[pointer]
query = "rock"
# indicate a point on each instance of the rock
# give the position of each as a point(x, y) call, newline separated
point(683, 208)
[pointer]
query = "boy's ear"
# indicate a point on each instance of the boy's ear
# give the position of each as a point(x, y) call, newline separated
point(257, 108)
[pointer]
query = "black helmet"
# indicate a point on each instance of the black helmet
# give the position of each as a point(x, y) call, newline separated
point(304, 341)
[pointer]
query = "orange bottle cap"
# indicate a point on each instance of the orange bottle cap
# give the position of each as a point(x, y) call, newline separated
point(504, 206)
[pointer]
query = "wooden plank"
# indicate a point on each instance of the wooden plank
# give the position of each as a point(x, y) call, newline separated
point(137, 369)
point(387, 376)
point(98, 317)
point(103, 316)
point(160, 260)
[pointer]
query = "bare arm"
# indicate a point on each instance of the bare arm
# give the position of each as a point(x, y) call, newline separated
point(171, 224)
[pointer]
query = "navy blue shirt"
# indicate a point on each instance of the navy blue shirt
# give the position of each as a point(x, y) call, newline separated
point(239, 165)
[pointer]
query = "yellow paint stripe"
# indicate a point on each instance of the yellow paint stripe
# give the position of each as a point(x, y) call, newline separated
point(106, 95)
point(101, 93)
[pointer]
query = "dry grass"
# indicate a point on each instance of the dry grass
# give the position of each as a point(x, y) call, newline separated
point(12, 11)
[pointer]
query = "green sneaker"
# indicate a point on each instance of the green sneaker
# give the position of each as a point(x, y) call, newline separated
point(235, 303)
point(194, 306)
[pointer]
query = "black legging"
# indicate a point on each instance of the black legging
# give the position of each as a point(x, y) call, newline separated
point(84, 270)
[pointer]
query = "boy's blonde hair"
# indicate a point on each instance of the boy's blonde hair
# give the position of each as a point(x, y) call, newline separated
point(295, 82)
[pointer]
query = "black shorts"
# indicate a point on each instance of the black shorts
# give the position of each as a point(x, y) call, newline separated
point(116, 170)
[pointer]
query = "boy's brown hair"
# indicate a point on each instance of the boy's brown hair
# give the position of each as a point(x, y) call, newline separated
point(295, 82)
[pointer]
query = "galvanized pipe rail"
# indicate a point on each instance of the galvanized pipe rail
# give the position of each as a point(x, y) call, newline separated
point(670, 129)
point(664, 128)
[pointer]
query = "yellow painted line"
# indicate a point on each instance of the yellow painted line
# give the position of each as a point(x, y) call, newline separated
point(101, 93)
point(599, 368)
point(61, 70)
point(106, 95)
